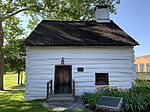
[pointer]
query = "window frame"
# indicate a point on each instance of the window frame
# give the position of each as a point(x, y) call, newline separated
point(148, 67)
point(142, 67)
point(105, 78)
point(136, 67)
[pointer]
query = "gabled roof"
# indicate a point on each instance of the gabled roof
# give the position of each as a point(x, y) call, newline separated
point(78, 33)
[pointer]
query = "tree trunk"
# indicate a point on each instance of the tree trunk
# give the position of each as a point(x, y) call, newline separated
point(18, 77)
point(21, 77)
point(1, 55)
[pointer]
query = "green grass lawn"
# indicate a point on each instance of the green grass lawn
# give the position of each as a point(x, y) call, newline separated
point(11, 79)
point(13, 100)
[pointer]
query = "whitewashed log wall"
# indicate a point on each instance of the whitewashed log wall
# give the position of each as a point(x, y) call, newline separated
point(41, 61)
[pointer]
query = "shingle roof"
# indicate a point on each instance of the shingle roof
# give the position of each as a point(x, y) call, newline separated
point(78, 33)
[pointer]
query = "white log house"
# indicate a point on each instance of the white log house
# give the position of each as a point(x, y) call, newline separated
point(92, 53)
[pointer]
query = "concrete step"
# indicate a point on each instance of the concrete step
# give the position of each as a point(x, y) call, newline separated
point(61, 95)
point(60, 98)
point(58, 103)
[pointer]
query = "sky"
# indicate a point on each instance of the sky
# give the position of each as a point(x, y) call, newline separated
point(133, 16)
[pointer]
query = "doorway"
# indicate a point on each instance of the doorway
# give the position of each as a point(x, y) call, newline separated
point(63, 79)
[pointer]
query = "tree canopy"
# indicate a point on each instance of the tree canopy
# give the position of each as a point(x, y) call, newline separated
point(15, 55)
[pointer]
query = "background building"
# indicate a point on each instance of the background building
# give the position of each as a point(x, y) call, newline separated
point(142, 64)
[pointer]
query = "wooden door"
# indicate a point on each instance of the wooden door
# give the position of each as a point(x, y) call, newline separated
point(63, 79)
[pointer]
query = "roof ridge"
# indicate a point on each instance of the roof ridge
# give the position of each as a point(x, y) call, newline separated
point(72, 21)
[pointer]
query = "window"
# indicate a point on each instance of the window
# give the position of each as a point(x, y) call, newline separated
point(101, 79)
point(141, 67)
point(80, 69)
point(148, 67)
point(136, 67)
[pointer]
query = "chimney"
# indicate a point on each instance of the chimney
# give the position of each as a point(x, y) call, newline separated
point(102, 14)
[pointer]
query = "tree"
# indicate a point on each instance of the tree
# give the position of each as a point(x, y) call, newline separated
point(15, 56)
point(14, 51)
point(47, 9)
point(8, 9)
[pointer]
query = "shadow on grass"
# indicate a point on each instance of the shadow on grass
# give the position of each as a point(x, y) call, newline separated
point(19, 87)
point(13, 101)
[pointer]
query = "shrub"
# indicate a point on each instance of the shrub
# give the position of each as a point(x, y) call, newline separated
point(133, 99)
point(143, 89)
point(134, 102)
point(90, 100)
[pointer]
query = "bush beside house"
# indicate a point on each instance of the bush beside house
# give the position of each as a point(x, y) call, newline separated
point(136, 99)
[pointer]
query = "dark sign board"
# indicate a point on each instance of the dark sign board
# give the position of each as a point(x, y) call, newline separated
point(111, 103)
point(80, 69)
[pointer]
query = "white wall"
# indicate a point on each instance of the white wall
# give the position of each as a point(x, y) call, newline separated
point(41, 61)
